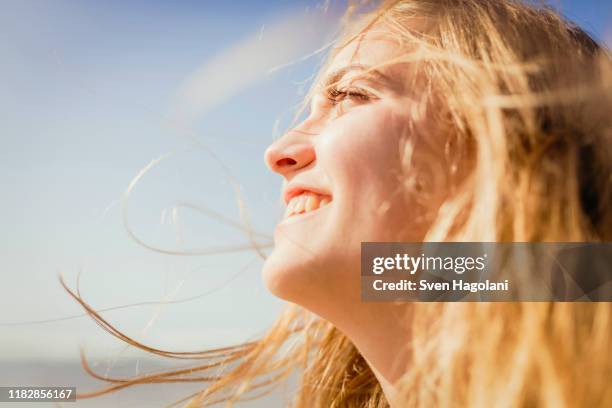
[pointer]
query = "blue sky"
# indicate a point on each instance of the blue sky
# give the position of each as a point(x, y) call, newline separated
point(90, 89)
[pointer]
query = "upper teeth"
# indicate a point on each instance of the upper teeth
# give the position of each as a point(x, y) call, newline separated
point(305, 202)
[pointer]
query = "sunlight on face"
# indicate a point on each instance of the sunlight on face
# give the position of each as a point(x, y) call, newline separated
point(345, 172)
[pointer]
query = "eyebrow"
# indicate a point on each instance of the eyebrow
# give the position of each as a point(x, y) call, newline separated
point(337, 75)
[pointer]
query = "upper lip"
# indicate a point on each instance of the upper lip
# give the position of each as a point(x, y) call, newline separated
point(296, 189)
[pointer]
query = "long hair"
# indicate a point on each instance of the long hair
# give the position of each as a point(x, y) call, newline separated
point(524, 97)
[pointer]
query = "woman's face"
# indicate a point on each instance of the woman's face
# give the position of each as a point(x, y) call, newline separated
point(346, 176)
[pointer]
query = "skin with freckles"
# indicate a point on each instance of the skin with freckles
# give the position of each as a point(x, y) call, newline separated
point(350, 152)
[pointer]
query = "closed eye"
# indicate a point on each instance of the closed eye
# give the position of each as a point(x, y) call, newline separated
point(336, 95)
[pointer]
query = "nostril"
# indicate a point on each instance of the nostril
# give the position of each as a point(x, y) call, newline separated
point(287, 161)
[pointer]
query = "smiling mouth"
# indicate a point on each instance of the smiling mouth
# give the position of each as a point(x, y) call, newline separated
point(306, 202)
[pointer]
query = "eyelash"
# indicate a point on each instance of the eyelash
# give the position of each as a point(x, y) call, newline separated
point(336, 95)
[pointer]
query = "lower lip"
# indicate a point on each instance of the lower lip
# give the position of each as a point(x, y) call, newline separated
point(302, 216)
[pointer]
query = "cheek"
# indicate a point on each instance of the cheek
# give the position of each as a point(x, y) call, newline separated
point(363, 143)
point(390, 179)
point(361, 154)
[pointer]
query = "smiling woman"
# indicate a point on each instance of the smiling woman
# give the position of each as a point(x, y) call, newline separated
point(452, 120)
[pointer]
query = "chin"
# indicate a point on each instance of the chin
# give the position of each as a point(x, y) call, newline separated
point(273, 277)
point(282, 277)
point(297, 274)
point(310, 280)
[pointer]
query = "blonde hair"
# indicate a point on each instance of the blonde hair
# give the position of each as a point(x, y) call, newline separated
point(528, 96)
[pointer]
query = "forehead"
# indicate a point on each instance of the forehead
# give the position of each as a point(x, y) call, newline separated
point(371, 48)
point(374, 49)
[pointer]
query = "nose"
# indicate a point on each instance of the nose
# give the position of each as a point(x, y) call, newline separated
point(289, 154)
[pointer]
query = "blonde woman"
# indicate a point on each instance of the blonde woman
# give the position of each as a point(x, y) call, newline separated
point(445, 120)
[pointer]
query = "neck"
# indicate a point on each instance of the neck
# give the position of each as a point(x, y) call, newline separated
point(381, 333)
